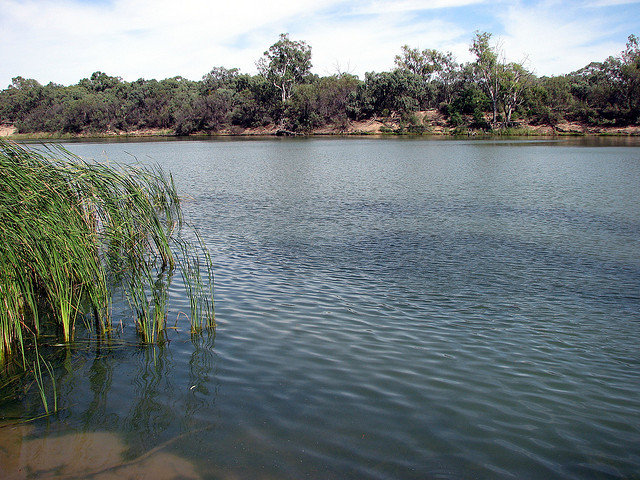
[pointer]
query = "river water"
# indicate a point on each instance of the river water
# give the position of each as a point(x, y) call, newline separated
point(386, 308)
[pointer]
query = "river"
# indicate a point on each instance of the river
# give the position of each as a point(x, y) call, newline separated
point(397, 308)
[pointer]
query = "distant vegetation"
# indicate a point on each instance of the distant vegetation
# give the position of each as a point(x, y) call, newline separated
point(487, 93)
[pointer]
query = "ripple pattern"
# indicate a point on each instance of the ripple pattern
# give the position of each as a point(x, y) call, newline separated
point(413, 309)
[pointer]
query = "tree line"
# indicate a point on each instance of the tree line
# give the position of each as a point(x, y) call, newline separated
point(486, 93)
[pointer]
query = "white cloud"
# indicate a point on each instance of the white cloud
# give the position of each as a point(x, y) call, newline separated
point(66, 40)
point(360, 45)
point(555, 40)
point(386, 6)
point(611, 3)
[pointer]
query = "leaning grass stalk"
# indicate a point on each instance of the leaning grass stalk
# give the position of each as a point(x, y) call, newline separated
point(37, 372)
point(199, 289)
point(53, 385)
point(208, 294)
point(38, 376)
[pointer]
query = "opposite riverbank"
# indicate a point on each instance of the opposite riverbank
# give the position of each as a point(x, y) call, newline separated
point(429, 122)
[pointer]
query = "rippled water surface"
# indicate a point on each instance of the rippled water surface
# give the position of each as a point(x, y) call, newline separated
point(386, 308)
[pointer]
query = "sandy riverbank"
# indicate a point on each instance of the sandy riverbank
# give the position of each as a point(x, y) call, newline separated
point(429, 122)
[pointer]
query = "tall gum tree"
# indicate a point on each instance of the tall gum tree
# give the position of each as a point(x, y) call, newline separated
point(513, 82)
point(285, 64)
point(504, 83)
point(488, 69)
point(630, 76)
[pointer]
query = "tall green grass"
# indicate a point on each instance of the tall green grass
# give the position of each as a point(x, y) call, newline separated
point(71, 231)
point(198, 280)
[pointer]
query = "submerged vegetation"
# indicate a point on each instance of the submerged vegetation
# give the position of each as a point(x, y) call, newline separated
point(74, 231)
point(488, 93)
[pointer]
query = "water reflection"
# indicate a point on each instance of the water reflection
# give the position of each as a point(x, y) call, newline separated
point(122, 428)
point(100, 380)
point(203, 389)
point(150, 415)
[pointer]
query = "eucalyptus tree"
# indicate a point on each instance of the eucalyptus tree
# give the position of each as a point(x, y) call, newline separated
point(422, 63)
point(448, 74)
point(513, 82)
point(324, 101)
point(99, 82)
point(219, 77)
point(630, 77)
point(19, 98)
point(504, 83)
point(436, 69)
point(488, 68)
point(285, 64)
point(608, 92)
point(385, 93)
point(548, 100)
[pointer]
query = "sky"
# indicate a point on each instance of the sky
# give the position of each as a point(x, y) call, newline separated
point(63, 41)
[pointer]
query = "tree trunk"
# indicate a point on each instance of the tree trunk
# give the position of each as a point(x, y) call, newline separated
point(495, 113)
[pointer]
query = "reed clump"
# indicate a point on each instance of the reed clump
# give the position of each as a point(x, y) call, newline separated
point(71, 231)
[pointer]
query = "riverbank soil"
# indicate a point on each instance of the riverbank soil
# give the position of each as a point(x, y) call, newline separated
point(427, 122)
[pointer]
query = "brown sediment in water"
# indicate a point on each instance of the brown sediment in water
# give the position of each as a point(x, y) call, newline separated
point(95, 455)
